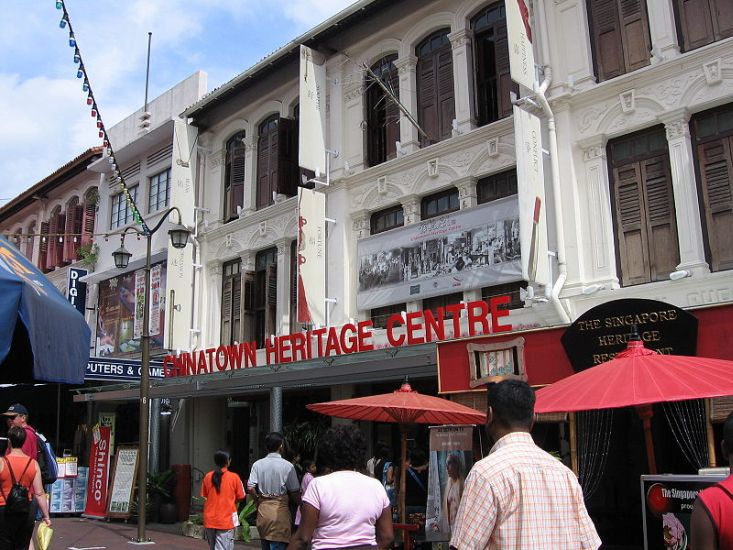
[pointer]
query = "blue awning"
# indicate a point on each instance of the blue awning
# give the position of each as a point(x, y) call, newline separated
point(42, 336)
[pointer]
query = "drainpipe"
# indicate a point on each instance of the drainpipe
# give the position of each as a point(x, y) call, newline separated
point(553, 292)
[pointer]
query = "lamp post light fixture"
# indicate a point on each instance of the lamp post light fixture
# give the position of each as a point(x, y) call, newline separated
point(179, 238)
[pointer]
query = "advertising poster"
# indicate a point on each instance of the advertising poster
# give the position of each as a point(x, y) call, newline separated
point(155, 300)
point(109, 420)
point(519, 31)
point(118, 320)
point(96, 504)
point(311, 257)
point(667, 508)
point(451, 457)
point(451, 253)
point(123, 481)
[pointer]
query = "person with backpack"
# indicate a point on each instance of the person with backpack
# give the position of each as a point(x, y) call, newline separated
point(17, 415)
point(20, 482)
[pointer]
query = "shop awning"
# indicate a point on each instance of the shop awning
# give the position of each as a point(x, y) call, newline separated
point(42, 336)
point(383, 365)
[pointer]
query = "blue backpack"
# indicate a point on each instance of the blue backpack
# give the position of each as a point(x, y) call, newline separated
point(46, 460)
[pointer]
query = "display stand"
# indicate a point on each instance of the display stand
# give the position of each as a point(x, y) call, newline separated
point(124, 474)
point(67, 495)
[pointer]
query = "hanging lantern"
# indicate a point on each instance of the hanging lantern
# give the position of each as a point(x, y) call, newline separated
point(72, 40)
point(101, 134)
point(80, 73)
point(85, 87)
point(77, 57)
point(94, 113)
point(99, 124)
point(90, 100)
point(62, 23)
point(59, 5)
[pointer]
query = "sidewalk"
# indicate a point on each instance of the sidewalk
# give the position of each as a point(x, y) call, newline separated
point(80, 533)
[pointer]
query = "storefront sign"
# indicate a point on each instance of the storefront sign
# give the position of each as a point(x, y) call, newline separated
point(416, 327)
point(667, 508)
point(600, 333)
point(119, 370)
point(451, 458)
point(98, 473)
point(77, 291)
point(468, 249)
point(519, 31)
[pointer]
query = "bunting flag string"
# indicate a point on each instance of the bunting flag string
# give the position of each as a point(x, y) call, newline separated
point(83, 75)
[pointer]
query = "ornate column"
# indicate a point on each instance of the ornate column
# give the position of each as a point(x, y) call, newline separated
point(463, 79)
point(686, 203)
point(662, 30)
point(409, 138)
point(467, 196)
point(411, 208)
point(282, 325)
point(600, 255)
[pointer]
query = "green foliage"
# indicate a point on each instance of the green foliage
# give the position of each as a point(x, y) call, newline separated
point(161, 484)
point(303, 437)
point(88, 254)
point(246, 517)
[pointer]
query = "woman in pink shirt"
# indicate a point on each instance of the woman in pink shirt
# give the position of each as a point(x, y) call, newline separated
point(309, 466)
point(345, 508)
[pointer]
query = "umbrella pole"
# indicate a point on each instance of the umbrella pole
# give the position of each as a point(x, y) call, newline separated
point(403, 470)
point(573, 429)
point(712, 462)
point(645, 413)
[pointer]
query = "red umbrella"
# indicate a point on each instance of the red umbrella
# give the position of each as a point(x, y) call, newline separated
point(403, 406)
point(638, 377)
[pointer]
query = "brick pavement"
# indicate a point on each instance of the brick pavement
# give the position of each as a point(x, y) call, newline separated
point(79, 533)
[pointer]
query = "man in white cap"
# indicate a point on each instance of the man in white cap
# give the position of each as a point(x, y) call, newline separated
point(17, 415)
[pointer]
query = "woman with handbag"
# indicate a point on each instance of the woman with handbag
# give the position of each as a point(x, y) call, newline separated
point(20, 481)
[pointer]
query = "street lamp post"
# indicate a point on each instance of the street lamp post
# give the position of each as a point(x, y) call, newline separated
point(179, 238)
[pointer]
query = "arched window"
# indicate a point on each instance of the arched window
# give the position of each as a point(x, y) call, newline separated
point(382, 113)
point(267, 165)
point(91, 198)
point(30, 241)
point(54, 252)
point(435, 96)
point(234, 176)
point(491, 51)
point(72, 231)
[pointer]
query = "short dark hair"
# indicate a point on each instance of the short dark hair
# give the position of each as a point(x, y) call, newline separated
point(417, 457)
point(16, 436)
point(512, 402)
point(273, 440)
point(342, 447)
point(728, 434)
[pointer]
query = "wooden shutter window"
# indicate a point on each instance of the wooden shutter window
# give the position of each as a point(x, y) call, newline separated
point(236, 314)
point(620, 36)
point(703, 22)
point(435, 93)
point(43, 247)
point(87, 225)
point(226, 310)
point(716, 170)
point(61, 240)
point(248, 306)
point(287, 171)
point(267, 161)
point(52, 241)
point(271, 301)
point(631, 230)
point(661, 222)
point(382, 114)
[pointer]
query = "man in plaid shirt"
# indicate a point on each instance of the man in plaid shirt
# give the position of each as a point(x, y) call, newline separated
point(519, 497)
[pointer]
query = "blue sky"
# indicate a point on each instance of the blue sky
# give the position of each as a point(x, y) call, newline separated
point(46, 121)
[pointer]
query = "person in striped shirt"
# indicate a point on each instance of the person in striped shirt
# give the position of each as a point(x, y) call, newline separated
point(519, 497)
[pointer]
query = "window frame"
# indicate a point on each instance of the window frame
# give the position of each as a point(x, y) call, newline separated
point(154, 204)
point(379, 109)
point(116, 218)
point(450, 193)
point(428, 103)
point(385, 214)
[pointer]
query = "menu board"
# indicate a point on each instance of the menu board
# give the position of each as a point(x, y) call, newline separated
point(123, 482)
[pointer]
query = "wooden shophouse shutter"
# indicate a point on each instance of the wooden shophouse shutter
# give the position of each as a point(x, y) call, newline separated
point(505, 85)
point(236, 312)
point(236, 180)
point(620, 36)
point(271, 300)
point(87, 226)
point(704, 21)
point(716, 171)
point(60, 241)
point(631, 234)
point(72, 239)
point(248, 306)
point(427, 99)
point(661, 221)
point(226, 310)
point(446, 97)
point(52, 240)
point(267, 162)
point(43, 247)
point(287, 172)
point(392, 114)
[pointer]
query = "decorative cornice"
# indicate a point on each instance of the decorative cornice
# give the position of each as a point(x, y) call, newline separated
point(406, 64)
point(460, 38)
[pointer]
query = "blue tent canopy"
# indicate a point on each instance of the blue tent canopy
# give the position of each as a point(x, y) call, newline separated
point(43, 338)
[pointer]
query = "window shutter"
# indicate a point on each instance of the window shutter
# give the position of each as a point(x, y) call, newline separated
point(661, 224)
point(267, 164)
point(392, 116)
point(61, 225)
point(287, 174)
point(271, 300)
point(226, 310)
point(248, 305)
point(43, 248)
point(236, 181)
point(68, 248)
point(87, 226)
point(630, 225)
point(53, 231)
point(446, 97)
point(635, 33)
point(716, 171)
point(427, 98)
point(696, 23)
point(505, 85)
point(236, 307)
point(723, 20)
point(606, 38)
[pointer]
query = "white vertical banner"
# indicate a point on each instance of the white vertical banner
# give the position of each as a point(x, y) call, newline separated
point(155, 299)
point(177, 305)
point(137, 329)
point(519, 30)
point(312, 131)
point(311, 262)
point(531, 191)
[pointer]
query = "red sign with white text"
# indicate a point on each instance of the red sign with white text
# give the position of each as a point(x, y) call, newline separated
point(98, 473)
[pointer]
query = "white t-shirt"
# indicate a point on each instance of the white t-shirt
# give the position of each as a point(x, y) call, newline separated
point(348, 504)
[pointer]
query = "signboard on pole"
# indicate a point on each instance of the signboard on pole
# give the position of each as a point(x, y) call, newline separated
point(77, 291)
point(312, 131)
point(311, 263)
point(531, 188)
point(96, 505)
point(519, 31)
point(451, 457)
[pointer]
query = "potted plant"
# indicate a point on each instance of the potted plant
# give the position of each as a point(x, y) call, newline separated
point(247, 518)
point(160, 491)
point(194, 527)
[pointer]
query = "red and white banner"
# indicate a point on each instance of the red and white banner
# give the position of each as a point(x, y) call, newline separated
point(311, 257)
point(312, 119)
point(98, 473)
point(531, 190)
point(519, 30)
